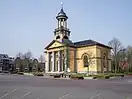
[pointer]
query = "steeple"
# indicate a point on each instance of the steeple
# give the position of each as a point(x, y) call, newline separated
point(61, 14)
point(61, 32)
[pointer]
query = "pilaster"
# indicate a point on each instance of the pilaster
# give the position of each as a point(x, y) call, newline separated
point(53, 61)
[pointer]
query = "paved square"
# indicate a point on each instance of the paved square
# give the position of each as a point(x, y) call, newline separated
point(30, 87)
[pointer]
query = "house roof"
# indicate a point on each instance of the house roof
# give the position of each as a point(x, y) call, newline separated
point(89, 43)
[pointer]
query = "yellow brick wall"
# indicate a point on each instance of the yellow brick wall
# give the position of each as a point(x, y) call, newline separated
point(71, 59)
point(109, 62)
point(100, 51)
point(98, 65)
point(89, 50)
point(97, 54)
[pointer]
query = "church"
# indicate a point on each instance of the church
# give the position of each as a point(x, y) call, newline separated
point(86, 56)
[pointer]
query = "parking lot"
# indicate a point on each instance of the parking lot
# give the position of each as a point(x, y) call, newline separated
point(30, 87)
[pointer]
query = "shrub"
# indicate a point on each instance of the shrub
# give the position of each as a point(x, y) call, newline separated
point(111, 75)
point(81, 77)
point(73, 77)
point(119, 75)
point(57, 76)
point(95, 77)
point(107, 77)
point(90, 75)
point(13, 72)
point(20, 73)
point(130, 74)
point(101, 76)
point(77, 77)
point(122, 75)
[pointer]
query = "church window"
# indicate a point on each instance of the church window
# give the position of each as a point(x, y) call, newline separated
point(104, 61)
point(85, 61)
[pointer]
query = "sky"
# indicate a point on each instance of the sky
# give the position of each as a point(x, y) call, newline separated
point(28, 25)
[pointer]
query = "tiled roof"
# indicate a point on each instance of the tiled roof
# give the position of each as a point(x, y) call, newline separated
point(89, 43)
point(80, 43)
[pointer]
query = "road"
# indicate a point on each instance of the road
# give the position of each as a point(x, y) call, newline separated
point(30, 87)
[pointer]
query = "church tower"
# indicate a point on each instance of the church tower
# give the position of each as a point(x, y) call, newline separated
point(61, 32)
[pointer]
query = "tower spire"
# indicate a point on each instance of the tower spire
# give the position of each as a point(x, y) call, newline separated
point(61, 32)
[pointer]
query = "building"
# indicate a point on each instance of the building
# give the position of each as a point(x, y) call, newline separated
point(6, 62)
point(63, 55)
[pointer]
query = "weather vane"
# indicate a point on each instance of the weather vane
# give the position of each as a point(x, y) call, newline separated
point(62, 4)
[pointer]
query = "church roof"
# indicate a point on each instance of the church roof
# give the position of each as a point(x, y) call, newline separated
point(80, 43)
point(89, 43)
point(68, 42)
point(61, 14)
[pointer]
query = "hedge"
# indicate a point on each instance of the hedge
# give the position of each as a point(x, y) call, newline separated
point(76, 77)
point(20, 73)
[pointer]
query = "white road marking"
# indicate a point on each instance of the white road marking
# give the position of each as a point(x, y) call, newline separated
point(64, 96)
point(121, 82)
point(7, 94)
point(129, 80)
point(92, 97)
point(24, 95)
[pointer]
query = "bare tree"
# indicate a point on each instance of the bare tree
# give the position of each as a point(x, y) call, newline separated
point(19, 55)
point(129, 57)
point(117, 48)
point(18, 64)
point(35, 64)
point(27, 55)
point(41, 59)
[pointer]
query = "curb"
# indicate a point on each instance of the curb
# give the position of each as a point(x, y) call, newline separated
point(88, 77)
point(27, 74)
point(56, 78)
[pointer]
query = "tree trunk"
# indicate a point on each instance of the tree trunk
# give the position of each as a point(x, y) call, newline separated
point(115, 66)
point(87, 70)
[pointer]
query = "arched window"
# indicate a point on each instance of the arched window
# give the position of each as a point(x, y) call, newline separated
point(65, 37)
point(85, 61)
point(58, 37)
point(104, 61)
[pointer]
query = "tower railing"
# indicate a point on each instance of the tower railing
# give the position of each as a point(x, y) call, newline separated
point(61, 28)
